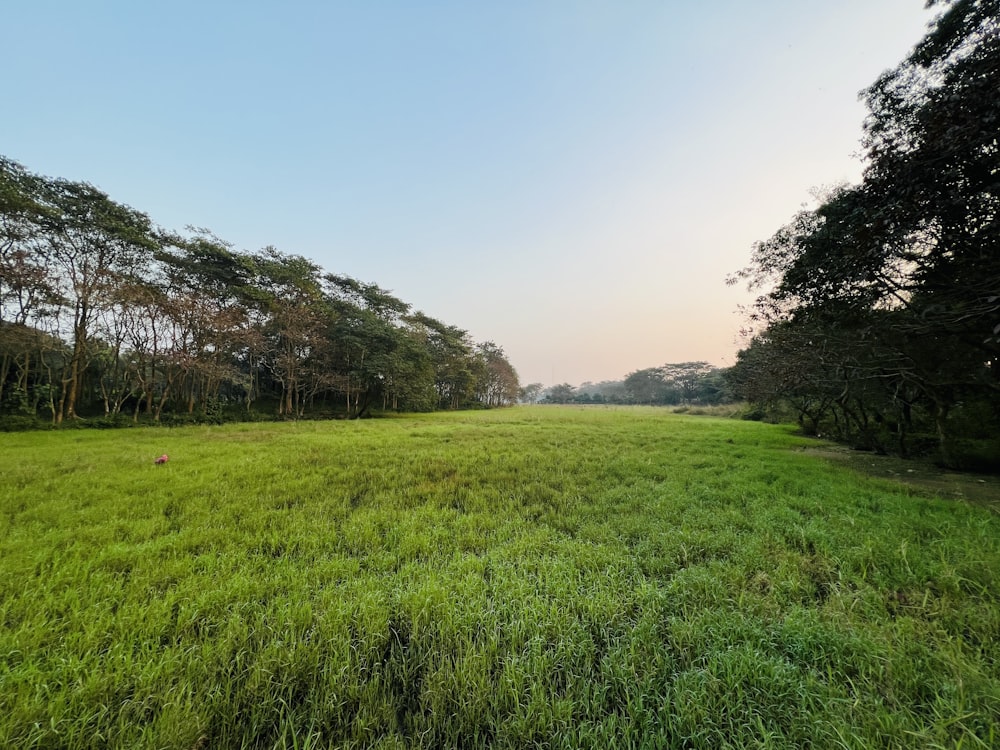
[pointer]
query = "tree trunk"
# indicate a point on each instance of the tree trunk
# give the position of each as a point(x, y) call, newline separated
point(5, 365)
point(71, 390)
point(944, 442)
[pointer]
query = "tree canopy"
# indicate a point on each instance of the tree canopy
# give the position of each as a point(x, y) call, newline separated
point(104, 314)
point(879, 310)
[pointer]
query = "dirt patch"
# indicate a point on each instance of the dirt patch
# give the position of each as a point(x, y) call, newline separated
point(924, 477)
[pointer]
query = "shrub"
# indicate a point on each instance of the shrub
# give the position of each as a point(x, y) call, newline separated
point(22, 423)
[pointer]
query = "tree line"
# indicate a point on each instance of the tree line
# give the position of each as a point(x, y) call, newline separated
point(103, 314)
point(878, 315)
point(688, 383)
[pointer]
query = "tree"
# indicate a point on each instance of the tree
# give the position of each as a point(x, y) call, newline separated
point(498, 383)
point(99, 309)
point(368, 329)
point(647, 386)
point(93, 245)
point(530, 393)
point(297, 328)
point(899, 277)
point(563, 393)
point(687, 379)
point(451, 358)
point(606, 392)
point(27, 294)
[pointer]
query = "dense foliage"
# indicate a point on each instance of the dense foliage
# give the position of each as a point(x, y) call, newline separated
point(102, 313)
point(880, 313)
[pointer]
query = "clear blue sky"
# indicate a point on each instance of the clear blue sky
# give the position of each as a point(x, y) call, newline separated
point(572, 180)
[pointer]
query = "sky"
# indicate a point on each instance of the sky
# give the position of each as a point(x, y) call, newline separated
point(572, 180)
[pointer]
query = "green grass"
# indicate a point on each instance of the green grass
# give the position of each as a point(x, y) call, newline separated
point(534, 577)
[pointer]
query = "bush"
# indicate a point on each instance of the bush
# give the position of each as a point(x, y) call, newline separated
point(112, 421)
point(214, 411)
point(22, 423)
point(16, 402)
point(180, 419)
point(976, 455)
point(754, 414)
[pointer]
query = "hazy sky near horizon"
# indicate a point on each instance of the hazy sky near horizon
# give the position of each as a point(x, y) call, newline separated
point(572, 180)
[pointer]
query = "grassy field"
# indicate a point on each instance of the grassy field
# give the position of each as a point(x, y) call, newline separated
point(534, 577)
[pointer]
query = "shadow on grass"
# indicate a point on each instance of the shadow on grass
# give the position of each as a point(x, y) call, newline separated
point(922, 477)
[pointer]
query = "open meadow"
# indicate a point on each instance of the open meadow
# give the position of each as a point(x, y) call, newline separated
point(532, 577)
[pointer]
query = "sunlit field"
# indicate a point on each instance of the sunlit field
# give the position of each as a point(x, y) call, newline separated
point(533, 577)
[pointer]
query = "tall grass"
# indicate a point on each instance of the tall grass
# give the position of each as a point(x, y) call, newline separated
point(536, 577)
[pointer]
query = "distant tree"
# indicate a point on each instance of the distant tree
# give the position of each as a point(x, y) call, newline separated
point(452, 358)
point(498, 382)
point(563, 393)
point(687, 380)
point(648, 386)
point(530, 393)
point(369, 331)
point(609, 392)
point(410, 382)
point(297, 327)
point(214, 301)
